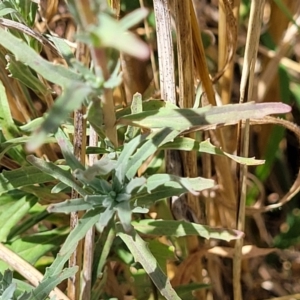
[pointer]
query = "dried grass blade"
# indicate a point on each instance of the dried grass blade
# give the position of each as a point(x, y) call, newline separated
point(252, 42)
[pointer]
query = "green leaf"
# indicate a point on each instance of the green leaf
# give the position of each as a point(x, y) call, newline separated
point(95, 116)
point(182, 228)
point(63, 48)
point(123, 160)
point(56, 172)
point(154, 141)
point(85, 223)
point(42, 291)
point(6, 11)
point(10, 180)
point(133, 18)
point(134, 183)
point(104, 218)
point(14, 213)
point(70, 100)
point(8, 127)
point(143, 198)
point(147, 105)
point(9, 292)
point(28, 223)
point(67, 150)
point(141, 253)
point(33, 124)
point(124, 214)
point(185, 291)
point(136, 107)
point(23, 73)
point(162, 253)
point(188, 144)
point(33, 247)
point(24, 53)
point(68, 206)
point(101, 167)
point(111, 33)
point(172, 181)
point(60, 187)
point(187, 118)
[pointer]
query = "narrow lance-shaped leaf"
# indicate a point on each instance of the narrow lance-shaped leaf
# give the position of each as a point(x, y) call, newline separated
point(141, 253)
point(123, 160)
point(86, 203)
point(12, 215)
point(187, 118)
point(153, 104)
point(166, 190)
point(152, 144)
point(111, 33)
point(67, 150)
point(8, 127)
point(23, 73)
point(124, 214)
point(42, 291)
point(70, 100)
point(182, 228)
point(24, 53)
point(34, 246)
point(136, 107)
point(188, 144)
point(86, 222)
point(10, 180)
point(133, 18)
point(189, 184)
point(56, 172)
point(63, 48)
point(101, 167)
point(95, 116)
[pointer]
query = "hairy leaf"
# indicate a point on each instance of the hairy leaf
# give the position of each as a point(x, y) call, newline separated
point(173, 181)
point(182, 228)
point(188, 144)
point(187, 118)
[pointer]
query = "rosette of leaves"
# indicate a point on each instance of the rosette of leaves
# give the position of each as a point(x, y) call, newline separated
point(110, 184)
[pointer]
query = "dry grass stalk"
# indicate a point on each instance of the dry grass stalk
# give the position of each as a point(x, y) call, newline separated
point(246, 92)
point(223, 168)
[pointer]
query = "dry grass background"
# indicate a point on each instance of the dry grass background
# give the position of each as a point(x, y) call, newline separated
point(266, 271)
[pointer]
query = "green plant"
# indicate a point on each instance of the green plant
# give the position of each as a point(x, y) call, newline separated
point(112, 194)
